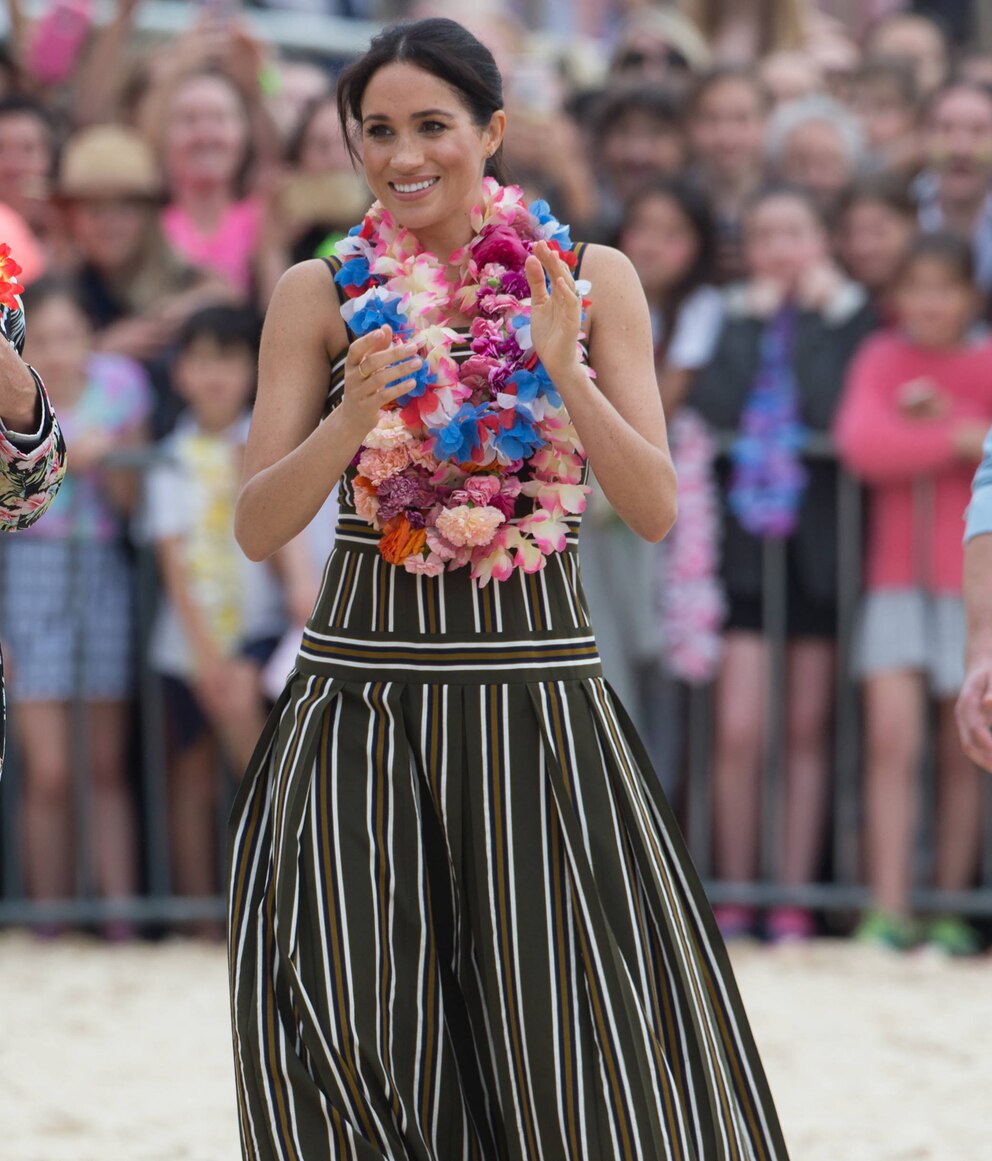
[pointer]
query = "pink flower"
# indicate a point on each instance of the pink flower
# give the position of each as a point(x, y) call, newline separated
point(366, 502)
point(391, 431)
point(555, 497)
point(500, 244)
point(493, 563)
point(378, 464)
point(422, 457)
point(495, 305)
point(455, 555)
point(481, 489)
point(548, 533)
point(432, 565)
point(464, 526)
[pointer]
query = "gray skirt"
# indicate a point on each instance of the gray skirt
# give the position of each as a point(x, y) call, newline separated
point(66, 613)
point(909, 629)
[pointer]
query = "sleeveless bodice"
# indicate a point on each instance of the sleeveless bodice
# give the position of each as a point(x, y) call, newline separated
point(373, 614)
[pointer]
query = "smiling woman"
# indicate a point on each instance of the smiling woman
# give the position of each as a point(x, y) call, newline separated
point(462, 920)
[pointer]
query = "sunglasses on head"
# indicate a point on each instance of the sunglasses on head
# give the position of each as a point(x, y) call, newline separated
point(636, 58)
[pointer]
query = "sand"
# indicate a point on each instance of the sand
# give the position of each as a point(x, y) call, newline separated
point(123, 1053)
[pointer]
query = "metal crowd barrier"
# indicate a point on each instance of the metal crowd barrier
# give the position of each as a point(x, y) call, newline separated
point(845, 890)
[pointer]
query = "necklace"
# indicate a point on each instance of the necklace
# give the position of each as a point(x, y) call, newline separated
point(478, 465)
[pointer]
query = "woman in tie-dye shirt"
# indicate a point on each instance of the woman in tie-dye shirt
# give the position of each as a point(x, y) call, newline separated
point(66, 591)
point(31, 465)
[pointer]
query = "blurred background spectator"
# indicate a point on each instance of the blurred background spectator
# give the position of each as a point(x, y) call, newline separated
point(766, 165)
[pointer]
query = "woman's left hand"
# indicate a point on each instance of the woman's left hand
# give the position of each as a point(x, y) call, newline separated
point(555, 316)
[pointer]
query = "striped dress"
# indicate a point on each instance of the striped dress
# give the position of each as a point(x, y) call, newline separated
point(463, 923)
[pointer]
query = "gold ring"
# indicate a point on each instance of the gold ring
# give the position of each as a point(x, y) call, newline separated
point(361, 368)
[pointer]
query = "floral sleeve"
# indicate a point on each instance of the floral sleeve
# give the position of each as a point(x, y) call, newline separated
point(31, 466)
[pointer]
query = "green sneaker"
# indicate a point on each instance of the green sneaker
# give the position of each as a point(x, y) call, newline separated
point(953, 936)
point(882, 929)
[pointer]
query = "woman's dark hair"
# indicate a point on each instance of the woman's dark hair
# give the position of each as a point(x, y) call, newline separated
point(954, 85)
point(230, 327)
point(695, 207)
point(657, 102)
point(784, 189)
point(951, 250)
point(884, 188)
point(722, 74)
point(440, 47)
point(297, 138)
point(54, 286)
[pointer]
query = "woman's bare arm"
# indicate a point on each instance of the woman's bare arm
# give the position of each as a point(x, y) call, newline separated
point(619, 415)
point(292, 460)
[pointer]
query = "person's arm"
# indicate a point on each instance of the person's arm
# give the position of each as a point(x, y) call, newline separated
point(618, 416)
point(293, 460)
point(98, 78)
point(881, 444)
point(32, 451)
point(175, 581)
point(974, 705)
point(300, 579)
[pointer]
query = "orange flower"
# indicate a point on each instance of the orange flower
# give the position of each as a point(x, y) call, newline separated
point(399, 540)
point(9, 271)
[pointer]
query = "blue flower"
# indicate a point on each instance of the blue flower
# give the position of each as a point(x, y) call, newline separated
point(423, 378)
point(531, 385)
point(559, 233)
point(377, 312)
point(355, 272)
point(520, 441)
point(460, 436)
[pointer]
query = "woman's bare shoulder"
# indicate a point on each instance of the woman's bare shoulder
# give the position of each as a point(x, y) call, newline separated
point(616, 288)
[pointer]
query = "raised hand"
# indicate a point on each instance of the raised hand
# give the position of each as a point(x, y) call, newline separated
point(555, 316)
point(375, 373)
point(974, 715)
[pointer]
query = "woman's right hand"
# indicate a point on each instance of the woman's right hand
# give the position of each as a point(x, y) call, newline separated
point(371, 370)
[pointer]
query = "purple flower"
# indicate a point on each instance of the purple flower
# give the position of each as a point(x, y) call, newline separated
point(400, 493)
point(515, 283)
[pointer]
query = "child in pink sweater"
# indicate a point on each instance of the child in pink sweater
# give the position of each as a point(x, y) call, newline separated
point(917, 406)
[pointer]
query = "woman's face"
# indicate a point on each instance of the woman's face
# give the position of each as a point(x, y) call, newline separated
point(959, 143)
point(637, 149)
point(660, 241)
point(323, 148)
point(873, 239)
point(216, 381)
point(25, 157)
point(933, 304)
point(815, 159)
point(727, 129)
point(110, 232)
point(423, 153)
point(206, 133)
point(58, 344)
point(783, 238)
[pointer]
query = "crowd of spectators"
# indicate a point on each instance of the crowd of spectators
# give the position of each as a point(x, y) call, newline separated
point(806, 193)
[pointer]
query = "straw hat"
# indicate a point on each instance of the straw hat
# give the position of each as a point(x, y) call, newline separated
point(109, 161)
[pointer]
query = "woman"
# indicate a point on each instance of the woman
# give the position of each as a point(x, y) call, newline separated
point(462, 921)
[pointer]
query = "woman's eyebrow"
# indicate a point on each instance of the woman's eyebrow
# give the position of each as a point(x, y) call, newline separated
point(413, 116)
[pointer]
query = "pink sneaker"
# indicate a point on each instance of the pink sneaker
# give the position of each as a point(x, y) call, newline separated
point(790, 925)
point(735, 920)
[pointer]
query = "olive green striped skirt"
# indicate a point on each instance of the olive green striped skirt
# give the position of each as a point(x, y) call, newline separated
point(463, 923)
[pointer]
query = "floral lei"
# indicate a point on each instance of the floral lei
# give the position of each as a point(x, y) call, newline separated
point(478, 464)
point(10, 288)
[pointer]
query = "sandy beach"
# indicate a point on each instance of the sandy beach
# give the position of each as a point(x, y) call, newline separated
point(123, 1053)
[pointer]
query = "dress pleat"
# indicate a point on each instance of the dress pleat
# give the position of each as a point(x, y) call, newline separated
point(463, 922)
